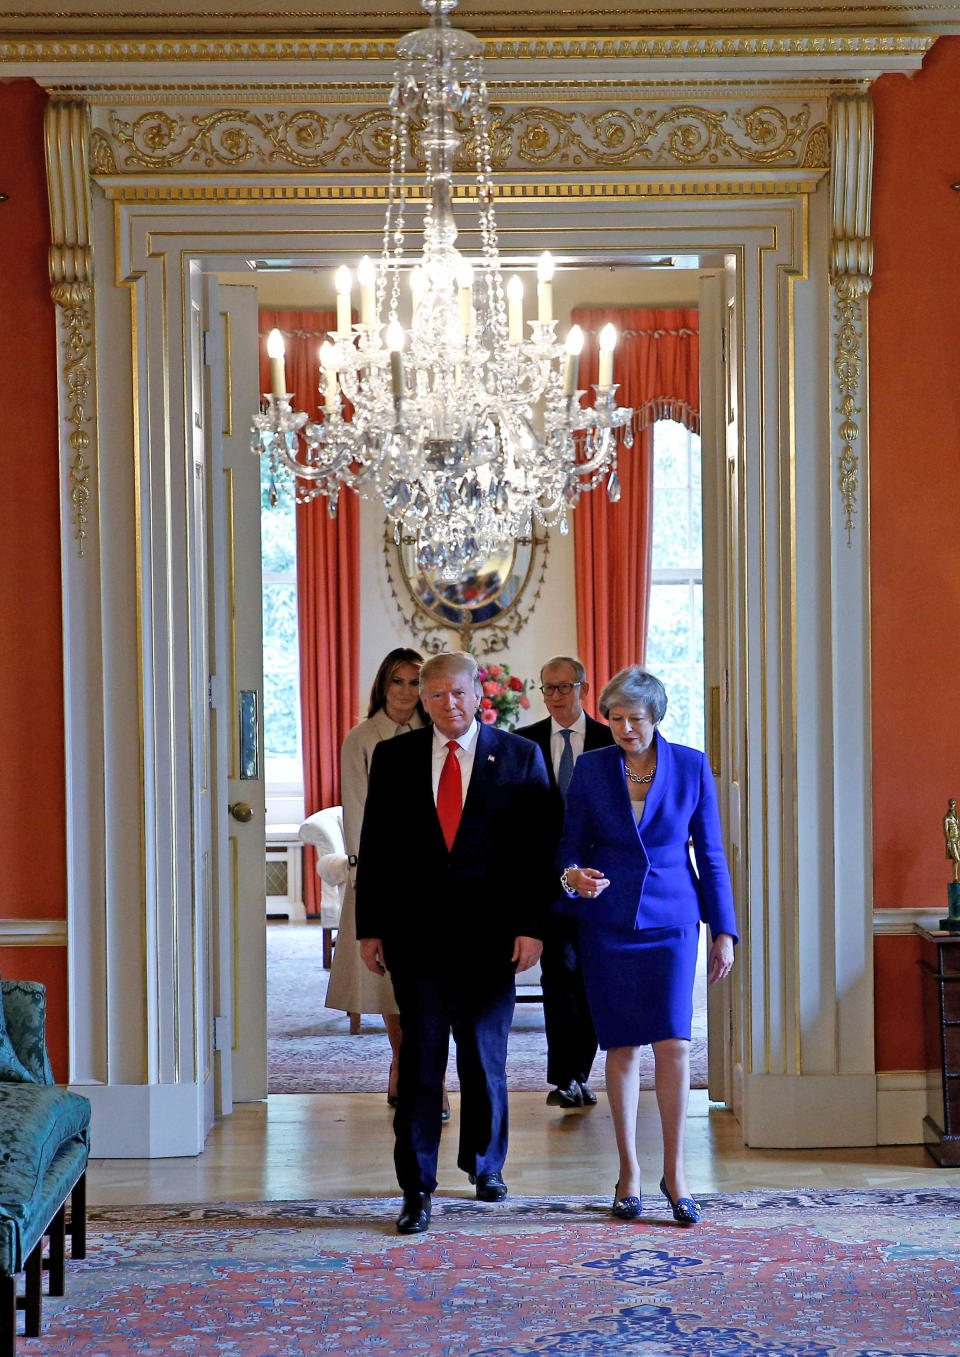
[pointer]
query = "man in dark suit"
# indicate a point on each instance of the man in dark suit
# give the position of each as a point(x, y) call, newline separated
point(565, 734)
point(455, 877)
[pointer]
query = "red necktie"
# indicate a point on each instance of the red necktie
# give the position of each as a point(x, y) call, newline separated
point(450, 795)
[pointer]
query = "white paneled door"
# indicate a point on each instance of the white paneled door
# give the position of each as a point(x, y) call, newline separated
point(236, 695)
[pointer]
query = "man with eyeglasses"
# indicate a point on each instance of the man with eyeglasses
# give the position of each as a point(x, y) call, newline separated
point(565, 734)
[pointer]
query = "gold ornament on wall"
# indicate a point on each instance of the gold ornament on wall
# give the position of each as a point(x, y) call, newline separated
point(537, 136)
point(74, 303)
point(70, 262)
point(851, 264)
point(847, 366)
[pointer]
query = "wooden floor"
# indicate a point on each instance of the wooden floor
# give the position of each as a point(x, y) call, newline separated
point(302, 1146)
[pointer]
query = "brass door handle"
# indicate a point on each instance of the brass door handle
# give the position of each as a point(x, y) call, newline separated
point(241, 811)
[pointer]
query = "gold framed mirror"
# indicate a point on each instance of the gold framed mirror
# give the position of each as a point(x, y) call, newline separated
point(484, 609)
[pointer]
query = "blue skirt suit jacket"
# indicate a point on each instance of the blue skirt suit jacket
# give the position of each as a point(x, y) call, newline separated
point(638, 938)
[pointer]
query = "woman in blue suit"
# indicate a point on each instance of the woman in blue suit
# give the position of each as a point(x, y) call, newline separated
point(632, 811)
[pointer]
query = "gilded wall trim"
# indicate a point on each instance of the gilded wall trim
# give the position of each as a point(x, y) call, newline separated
point(75, 325)
point(567, 47)
point(145, 94)
point(538, 136)
point(67, 132)
point(655, 186)
point(851, 266)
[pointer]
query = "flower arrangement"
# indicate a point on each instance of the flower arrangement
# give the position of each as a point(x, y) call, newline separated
point(504, 696)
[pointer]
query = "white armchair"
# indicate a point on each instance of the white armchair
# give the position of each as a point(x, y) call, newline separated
point(324, 831)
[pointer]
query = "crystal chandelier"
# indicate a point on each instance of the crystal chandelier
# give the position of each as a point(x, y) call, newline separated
point(467, 430)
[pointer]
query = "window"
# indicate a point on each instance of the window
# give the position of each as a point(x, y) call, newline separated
point(281, 666)
point(675, 632)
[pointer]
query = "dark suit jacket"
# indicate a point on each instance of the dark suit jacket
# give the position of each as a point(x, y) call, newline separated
point(596, 736)
point(653, 883)
point(466, 906)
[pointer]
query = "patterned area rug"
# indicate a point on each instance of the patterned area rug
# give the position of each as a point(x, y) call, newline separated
point(310, 1049)
point(808, 1274)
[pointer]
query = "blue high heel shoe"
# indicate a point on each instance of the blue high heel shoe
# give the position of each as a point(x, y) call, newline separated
point(627, 1208)
point(685, 1210)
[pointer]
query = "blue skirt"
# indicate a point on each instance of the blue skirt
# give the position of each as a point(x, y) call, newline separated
point(639, 983)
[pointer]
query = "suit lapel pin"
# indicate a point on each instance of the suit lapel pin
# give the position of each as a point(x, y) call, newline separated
point(491, 758)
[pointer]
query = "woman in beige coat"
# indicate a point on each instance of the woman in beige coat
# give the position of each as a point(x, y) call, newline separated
point(394, 708)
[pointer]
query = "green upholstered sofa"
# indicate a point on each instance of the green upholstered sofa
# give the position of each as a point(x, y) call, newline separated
point(44, 1146)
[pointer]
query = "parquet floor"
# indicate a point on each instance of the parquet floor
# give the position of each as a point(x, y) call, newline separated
point(340, 1145)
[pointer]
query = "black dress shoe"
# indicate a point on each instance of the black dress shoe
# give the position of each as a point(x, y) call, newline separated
point(568, 1095)
point(415, 1216)
point(588, 1096)
point(490, 1187)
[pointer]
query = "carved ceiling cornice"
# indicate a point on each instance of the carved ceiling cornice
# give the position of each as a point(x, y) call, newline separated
point(352, 18)
point(314, 71)
point(773, 47)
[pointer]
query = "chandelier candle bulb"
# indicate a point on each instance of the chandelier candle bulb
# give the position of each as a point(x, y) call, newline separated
point(514, 310)
point(608, 342)
point(328, 361)
point(278, 371)
point(344, 282)
point(367, 278)
point(395, 344)
point(545, 269)
point(571, 366)
point(465, 297)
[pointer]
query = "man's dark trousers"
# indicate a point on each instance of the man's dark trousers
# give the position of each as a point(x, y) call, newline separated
point(571, 1040)
point(479, 1012)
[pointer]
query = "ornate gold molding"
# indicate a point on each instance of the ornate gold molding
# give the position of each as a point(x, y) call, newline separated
point(659, 184)
point(67, 128)
point(566, 47)
point(848, 359)
point(538, 136)
point(851, 264)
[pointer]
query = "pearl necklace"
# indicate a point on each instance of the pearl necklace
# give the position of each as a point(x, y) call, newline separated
point(635, 777)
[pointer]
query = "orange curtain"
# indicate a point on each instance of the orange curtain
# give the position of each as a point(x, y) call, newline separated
point(657, 366)
point(328, 590)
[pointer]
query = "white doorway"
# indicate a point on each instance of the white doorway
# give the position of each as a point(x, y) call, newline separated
point(780, 549)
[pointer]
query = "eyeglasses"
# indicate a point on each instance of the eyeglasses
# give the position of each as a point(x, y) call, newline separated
point(548, 689)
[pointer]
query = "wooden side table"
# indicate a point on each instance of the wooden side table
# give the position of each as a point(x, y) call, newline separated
point(940, 962)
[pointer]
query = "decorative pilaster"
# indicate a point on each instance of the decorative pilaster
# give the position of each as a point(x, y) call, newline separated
point(851, 265)
point(67, 131)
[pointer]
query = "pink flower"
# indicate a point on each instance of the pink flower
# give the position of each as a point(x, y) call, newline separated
point(494, 670)
point(491, 689)
point(488, 716)
point(524, 701)
point(481, 674)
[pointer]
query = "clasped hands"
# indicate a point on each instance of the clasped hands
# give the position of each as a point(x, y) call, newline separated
point(526, 953)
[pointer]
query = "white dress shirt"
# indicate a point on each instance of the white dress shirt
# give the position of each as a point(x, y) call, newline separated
point(578, 733)
point(466, 752)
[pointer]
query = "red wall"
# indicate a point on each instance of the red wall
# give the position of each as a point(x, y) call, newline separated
point(915, 515)
point(33, 823)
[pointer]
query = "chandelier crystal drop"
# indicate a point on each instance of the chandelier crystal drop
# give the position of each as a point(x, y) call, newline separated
point(468, 430)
